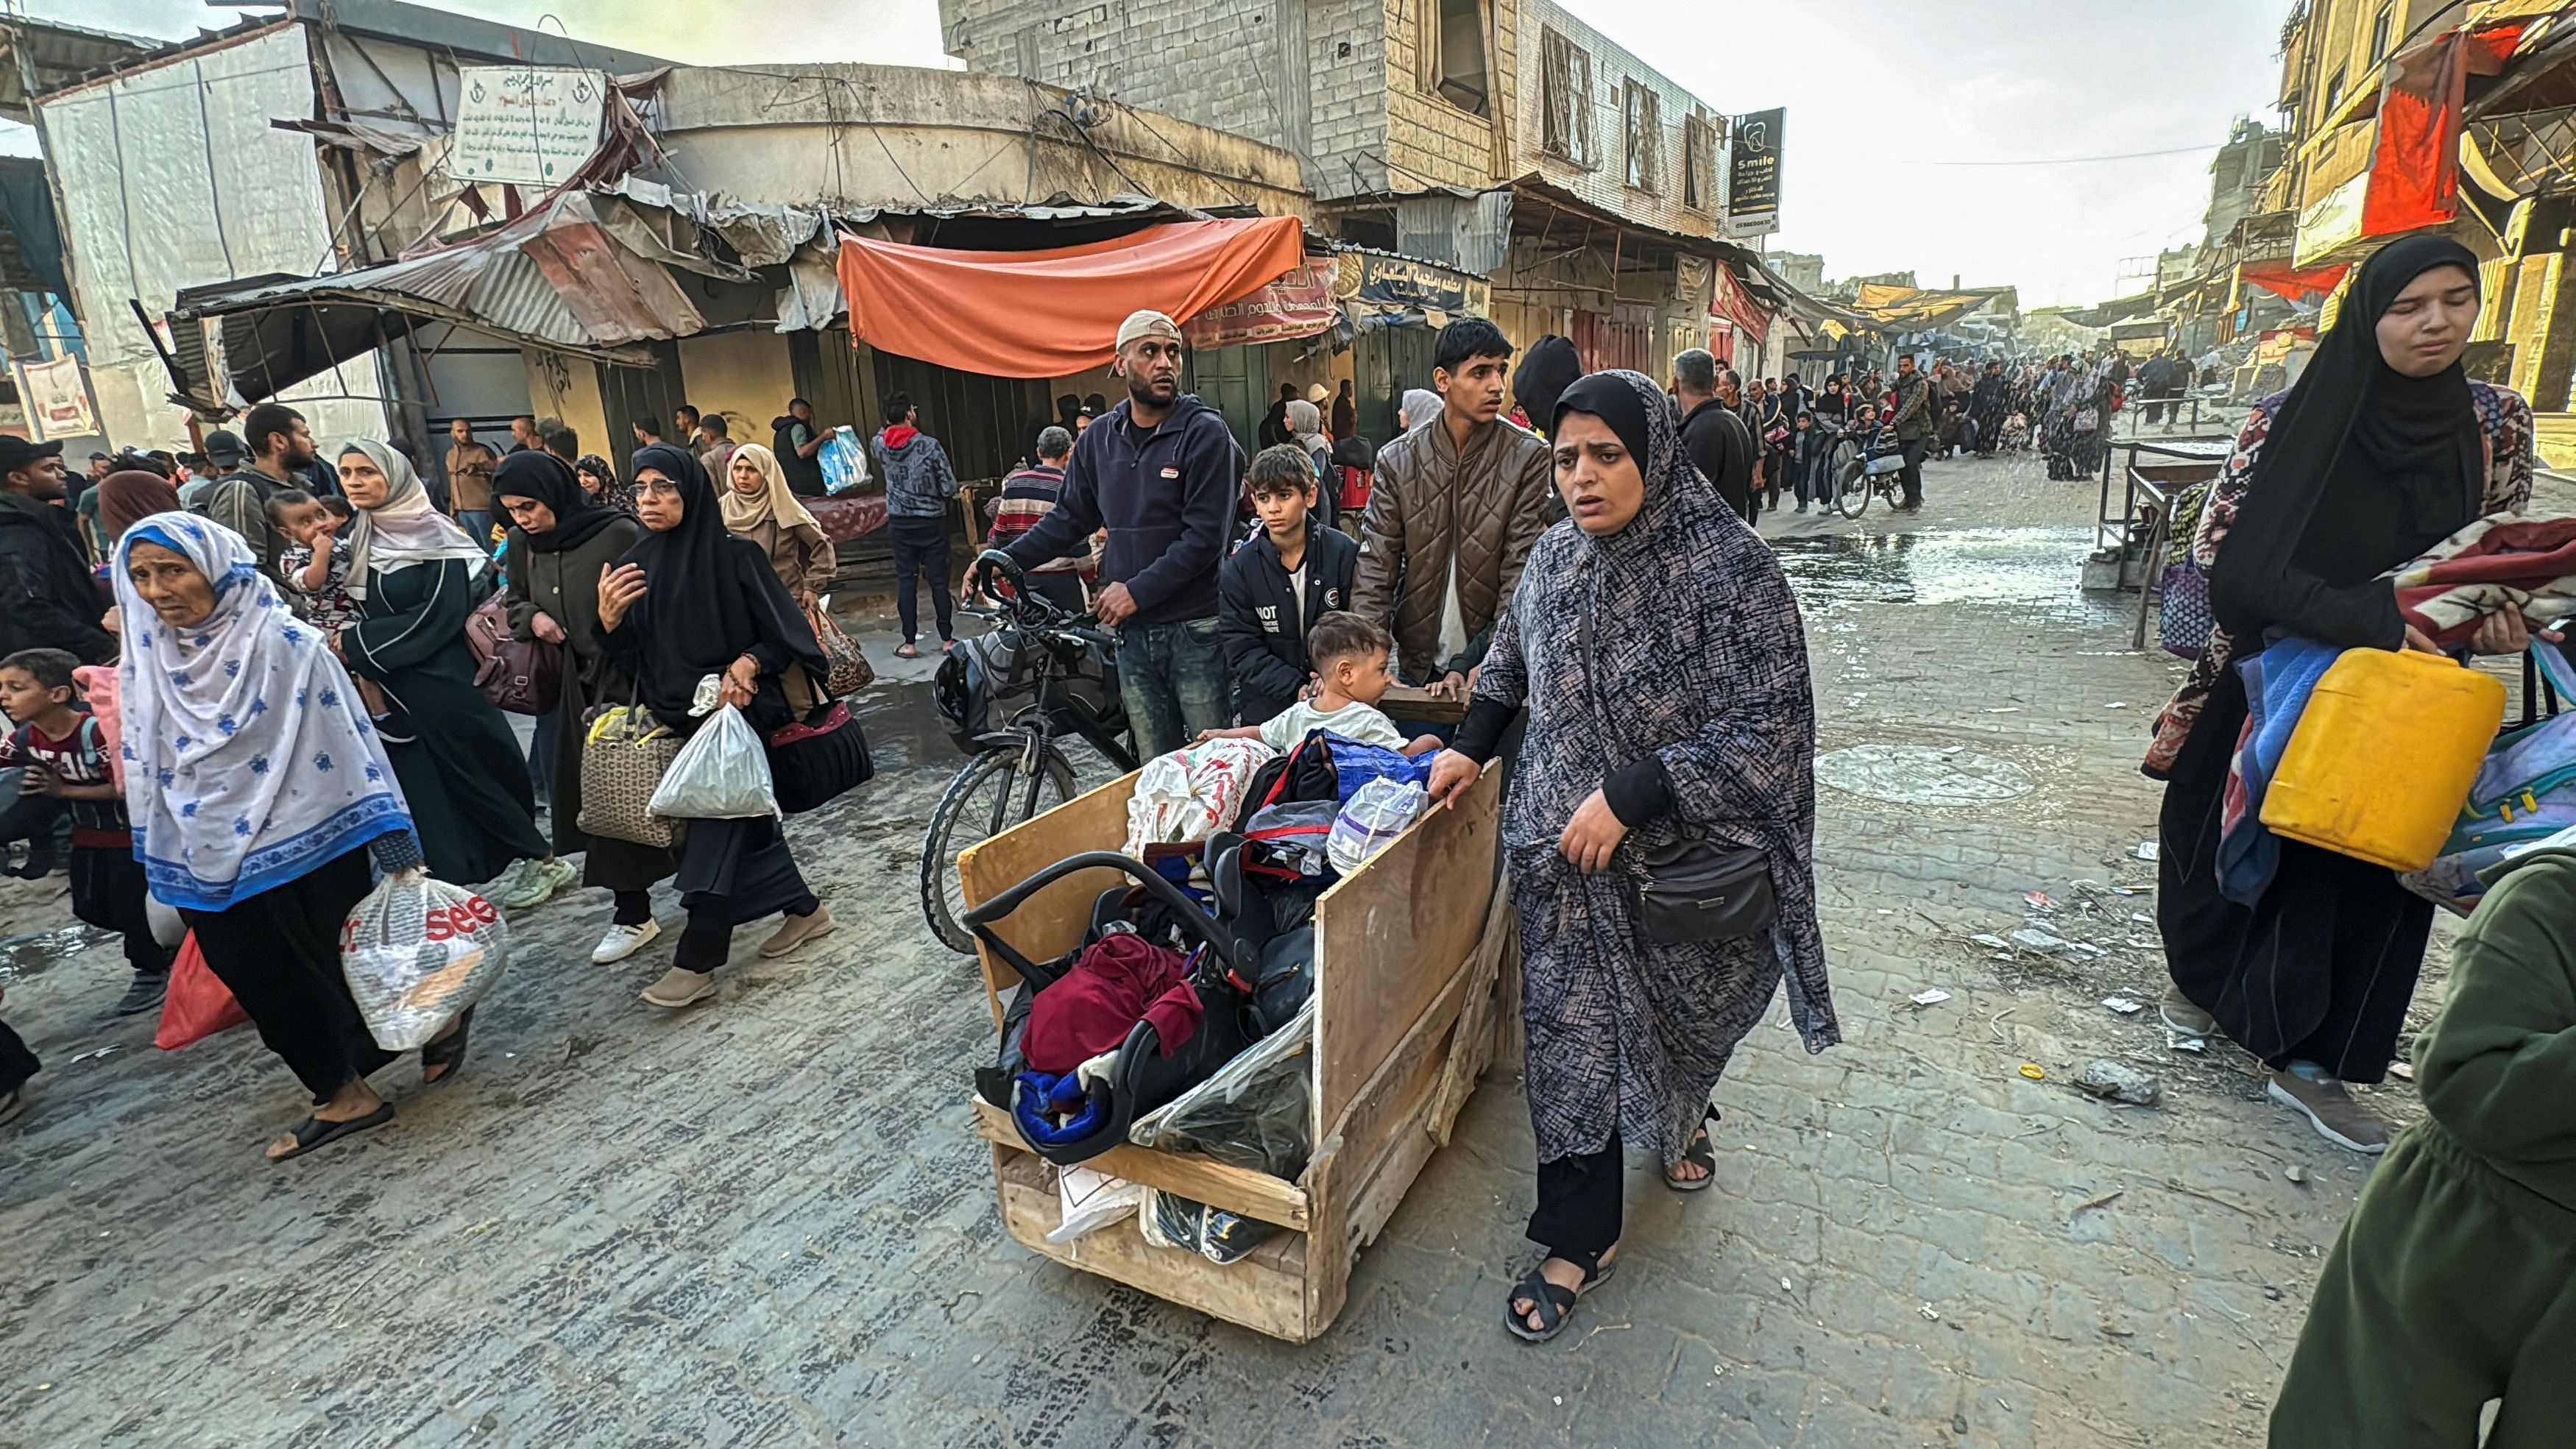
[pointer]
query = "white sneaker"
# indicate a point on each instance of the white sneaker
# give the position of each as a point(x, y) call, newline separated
point(622, 941)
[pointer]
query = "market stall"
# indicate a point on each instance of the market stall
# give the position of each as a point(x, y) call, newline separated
point(1409, 968)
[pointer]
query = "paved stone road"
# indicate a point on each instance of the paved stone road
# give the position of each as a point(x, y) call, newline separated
point(765, 1222)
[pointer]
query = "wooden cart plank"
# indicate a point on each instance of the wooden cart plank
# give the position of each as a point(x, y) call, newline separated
point(1264, 1292)
point(1051, 922)
point(1400, 929)
point(1218, 1184)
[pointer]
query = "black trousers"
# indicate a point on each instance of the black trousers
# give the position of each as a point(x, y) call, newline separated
point(17, 1063)
point(1912, 475)
point(279, 953)
point(108, 890)
point(920, 547)
point(1579, 1205)
point(732, 871)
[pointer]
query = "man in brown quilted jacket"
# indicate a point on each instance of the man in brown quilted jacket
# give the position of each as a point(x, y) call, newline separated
point(1458, 504)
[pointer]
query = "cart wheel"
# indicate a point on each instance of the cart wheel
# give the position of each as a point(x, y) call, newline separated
point(989, 796)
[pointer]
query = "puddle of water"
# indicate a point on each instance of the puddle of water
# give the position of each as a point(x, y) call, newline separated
point(1920, 775)
point(2024, 567)
point(903, 728)
point(35, 953)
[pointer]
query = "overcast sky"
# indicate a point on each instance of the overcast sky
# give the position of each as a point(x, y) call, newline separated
point(1880, 93)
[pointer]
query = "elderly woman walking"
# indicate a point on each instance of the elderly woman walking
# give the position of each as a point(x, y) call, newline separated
point(688, 601)
point(415, 576)
point(759, 506)
point(258, 790)
point(562, 538)
point(1671, 739)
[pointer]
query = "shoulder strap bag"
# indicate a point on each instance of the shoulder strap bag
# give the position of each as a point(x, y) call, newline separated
point(1694, 889)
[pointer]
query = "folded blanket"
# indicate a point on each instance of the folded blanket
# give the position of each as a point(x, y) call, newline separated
point(2496, 562)
point(2278, 682)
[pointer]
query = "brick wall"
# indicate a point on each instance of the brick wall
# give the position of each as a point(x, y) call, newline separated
point(1430, 142)
point(1215, 64)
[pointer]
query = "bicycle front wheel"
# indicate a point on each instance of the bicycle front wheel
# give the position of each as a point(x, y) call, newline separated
point(992, 794)
point(1852, 489)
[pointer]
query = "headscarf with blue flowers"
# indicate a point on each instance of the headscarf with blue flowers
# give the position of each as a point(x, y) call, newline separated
point(249, 760)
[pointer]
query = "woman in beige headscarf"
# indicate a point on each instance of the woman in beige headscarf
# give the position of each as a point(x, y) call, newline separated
point(758, 505)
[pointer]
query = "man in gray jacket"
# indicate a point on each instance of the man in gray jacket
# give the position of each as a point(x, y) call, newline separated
point(1458, 505)
point(919, 487)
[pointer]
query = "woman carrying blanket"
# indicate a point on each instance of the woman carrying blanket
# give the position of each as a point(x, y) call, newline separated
point(2384, 448)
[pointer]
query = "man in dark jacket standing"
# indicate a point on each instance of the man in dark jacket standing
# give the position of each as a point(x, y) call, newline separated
point(919, 487)
point(1712, 434)
point(47, 597)
point(1918, 409)
point(1456, 509)
point(1160, 473)
point(797, 442)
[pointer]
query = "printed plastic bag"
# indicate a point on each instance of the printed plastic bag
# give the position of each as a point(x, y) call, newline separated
point(1383, 809)
point(98, 685)
point(1187, 794)
point(845, 462)
point(198, 1004)
point(1256, 1112)
point(1221, 1237)
point(722, 773)
point(417, 952)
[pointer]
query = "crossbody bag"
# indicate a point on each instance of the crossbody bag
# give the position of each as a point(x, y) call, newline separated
point(1695, 889)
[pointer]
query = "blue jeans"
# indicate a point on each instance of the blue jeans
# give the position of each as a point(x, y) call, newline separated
point(477, 523)
point(1172, 678)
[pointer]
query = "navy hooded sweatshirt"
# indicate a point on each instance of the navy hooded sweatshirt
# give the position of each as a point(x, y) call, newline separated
point(1167, 499)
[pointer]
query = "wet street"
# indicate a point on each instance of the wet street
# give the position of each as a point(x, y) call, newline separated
point(766, 1221)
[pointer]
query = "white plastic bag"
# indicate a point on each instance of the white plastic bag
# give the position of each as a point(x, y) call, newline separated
point(1377, 813)
point(1192, 793)
point(417, 952)
point(722, 773)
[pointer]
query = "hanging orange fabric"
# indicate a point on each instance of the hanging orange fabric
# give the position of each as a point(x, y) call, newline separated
point(1054, 313)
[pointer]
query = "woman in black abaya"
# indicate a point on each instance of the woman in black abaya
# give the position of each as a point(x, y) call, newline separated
point(2383, 449)
point(690, 600)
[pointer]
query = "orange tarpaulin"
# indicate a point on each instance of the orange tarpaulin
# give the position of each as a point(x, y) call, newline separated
point(1054, 313)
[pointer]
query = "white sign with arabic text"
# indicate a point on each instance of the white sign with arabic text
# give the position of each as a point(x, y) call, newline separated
point(530, 125)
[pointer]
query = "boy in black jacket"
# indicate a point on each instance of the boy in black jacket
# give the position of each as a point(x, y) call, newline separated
point(1277, 583)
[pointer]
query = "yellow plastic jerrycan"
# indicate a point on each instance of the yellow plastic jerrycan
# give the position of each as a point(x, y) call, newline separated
point(2384, 756)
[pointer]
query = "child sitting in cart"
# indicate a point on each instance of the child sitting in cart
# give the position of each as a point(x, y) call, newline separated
point(1351, 676)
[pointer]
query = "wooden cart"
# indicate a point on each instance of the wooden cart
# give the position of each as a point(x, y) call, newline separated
point(1409, 959)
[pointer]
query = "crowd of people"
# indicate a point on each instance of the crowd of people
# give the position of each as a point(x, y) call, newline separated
point(1565, 554)
point(242, 699)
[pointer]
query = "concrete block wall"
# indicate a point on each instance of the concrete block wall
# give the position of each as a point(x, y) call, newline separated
point(1218, 65)
point(1430, 142)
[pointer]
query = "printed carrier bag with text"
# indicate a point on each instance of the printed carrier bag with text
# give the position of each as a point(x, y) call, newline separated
point(417, 952)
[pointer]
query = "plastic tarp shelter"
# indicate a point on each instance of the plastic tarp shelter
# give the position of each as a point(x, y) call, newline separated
point(1056, 312)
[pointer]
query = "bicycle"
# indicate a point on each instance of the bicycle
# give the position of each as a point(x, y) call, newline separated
point(1058, 674)
point(1874, 468)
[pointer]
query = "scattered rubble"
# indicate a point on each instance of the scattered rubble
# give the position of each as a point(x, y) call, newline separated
point(2112, 1082)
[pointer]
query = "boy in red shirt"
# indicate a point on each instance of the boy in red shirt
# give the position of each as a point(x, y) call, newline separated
point(65, 757)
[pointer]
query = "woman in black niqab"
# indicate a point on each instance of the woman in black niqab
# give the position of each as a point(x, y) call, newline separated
point(711, 599)
point(2362, 468)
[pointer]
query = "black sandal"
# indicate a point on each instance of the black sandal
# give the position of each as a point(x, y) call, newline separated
point(313, 1132)
point(1551, 1302)
point(1703, 1152)
point(447, 1051)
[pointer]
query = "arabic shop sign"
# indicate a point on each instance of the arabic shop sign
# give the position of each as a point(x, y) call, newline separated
point(1753, 173)
point(529, 125)
point(1401, 282)
point(1299, 304)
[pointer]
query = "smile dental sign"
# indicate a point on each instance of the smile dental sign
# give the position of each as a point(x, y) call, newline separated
point(527, 125)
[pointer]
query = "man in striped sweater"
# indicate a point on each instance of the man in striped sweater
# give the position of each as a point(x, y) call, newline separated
point(1029, 495)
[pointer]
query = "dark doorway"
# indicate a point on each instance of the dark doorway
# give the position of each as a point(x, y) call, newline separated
point(1386, 362)
point(986, 424)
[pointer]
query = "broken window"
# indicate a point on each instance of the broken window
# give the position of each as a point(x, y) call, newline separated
point(1699, 164)
point(1565, 99)
point(1643, 115)
point(1453, 53)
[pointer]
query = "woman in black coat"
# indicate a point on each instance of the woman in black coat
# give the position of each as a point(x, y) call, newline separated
point(693, 599)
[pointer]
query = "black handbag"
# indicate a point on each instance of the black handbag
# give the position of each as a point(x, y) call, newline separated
point(1695, 889)
point(812, 761)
